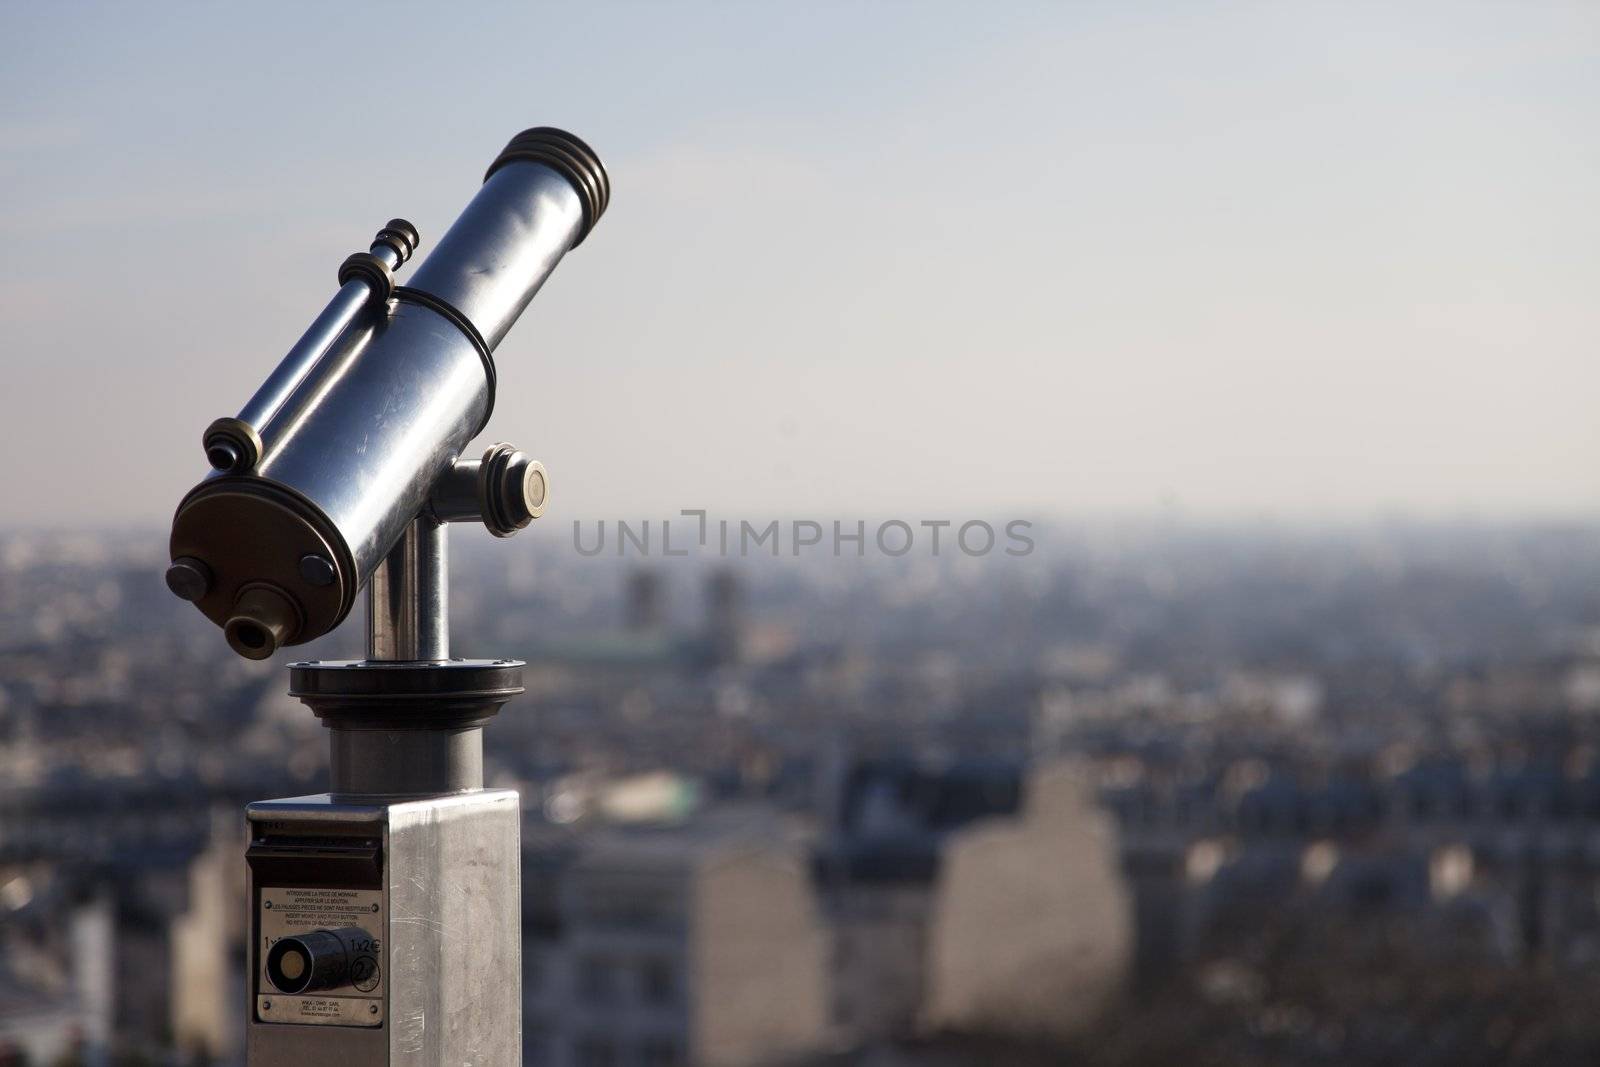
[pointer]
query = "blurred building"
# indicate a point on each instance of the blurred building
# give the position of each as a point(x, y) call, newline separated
point(646, 601)
point(208, 950)
point(1032, 931)
point(878, 871)
point(724, 616)
point(58, 982)
point(692, 944)
point(1305, 747)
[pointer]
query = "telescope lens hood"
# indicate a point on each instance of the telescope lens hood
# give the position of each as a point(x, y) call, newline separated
point(568, 156)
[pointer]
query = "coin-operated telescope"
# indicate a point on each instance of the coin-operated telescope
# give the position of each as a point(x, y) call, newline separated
point(385, 915)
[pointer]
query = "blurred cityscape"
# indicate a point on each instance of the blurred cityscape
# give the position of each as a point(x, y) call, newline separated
point(1155, 793)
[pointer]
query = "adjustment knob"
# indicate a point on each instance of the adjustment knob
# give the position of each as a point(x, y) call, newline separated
point(505, 490)
point(320, 959)
point(402, 239)
point(189, 578)
point(513, 488)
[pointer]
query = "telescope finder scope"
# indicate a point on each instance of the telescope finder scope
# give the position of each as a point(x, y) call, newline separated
point(358, 430)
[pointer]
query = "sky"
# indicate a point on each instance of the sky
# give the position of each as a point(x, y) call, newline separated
point(1301, 261)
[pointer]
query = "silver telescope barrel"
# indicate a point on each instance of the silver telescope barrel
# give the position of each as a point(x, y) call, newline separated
point(276, 554)
point(509, 239)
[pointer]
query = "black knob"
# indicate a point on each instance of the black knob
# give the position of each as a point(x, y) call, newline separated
point(308, 962)
point(401, 236)
point(189, 578)
point(512, 489)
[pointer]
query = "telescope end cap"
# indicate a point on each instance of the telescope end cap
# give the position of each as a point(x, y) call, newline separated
point(263, 621)
point(569, 156)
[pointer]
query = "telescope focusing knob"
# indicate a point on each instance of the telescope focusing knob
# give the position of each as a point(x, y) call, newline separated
point(318, 570)
point(400, 236)
point(189, 578)
point(505, 490)
point(512, 487)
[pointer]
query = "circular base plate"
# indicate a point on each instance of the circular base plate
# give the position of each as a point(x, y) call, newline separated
point(392, 695)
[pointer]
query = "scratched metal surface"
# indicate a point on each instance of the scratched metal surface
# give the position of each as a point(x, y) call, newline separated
point(455, 915)
point(290, 1045)
point(452, 868)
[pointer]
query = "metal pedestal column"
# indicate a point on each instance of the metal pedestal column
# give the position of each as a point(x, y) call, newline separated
point(386, 914)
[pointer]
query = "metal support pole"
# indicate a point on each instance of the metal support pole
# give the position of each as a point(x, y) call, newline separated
point(408, 622)
point(408, 598)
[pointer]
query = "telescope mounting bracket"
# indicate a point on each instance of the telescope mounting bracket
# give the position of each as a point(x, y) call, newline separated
point(408, 720)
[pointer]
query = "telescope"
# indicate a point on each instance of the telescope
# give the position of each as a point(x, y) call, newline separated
point(385, 915)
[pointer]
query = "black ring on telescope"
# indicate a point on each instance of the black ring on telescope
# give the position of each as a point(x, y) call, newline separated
point(407, 295)
point(372, 270)
point(567, 156)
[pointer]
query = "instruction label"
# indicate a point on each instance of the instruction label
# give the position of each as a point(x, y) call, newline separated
point(358, 914)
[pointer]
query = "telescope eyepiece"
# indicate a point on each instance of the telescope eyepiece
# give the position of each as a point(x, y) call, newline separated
point(224, 455)
point(232, 445)
point(263, 620)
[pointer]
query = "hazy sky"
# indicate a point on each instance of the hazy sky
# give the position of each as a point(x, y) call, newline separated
point(1230, 259)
